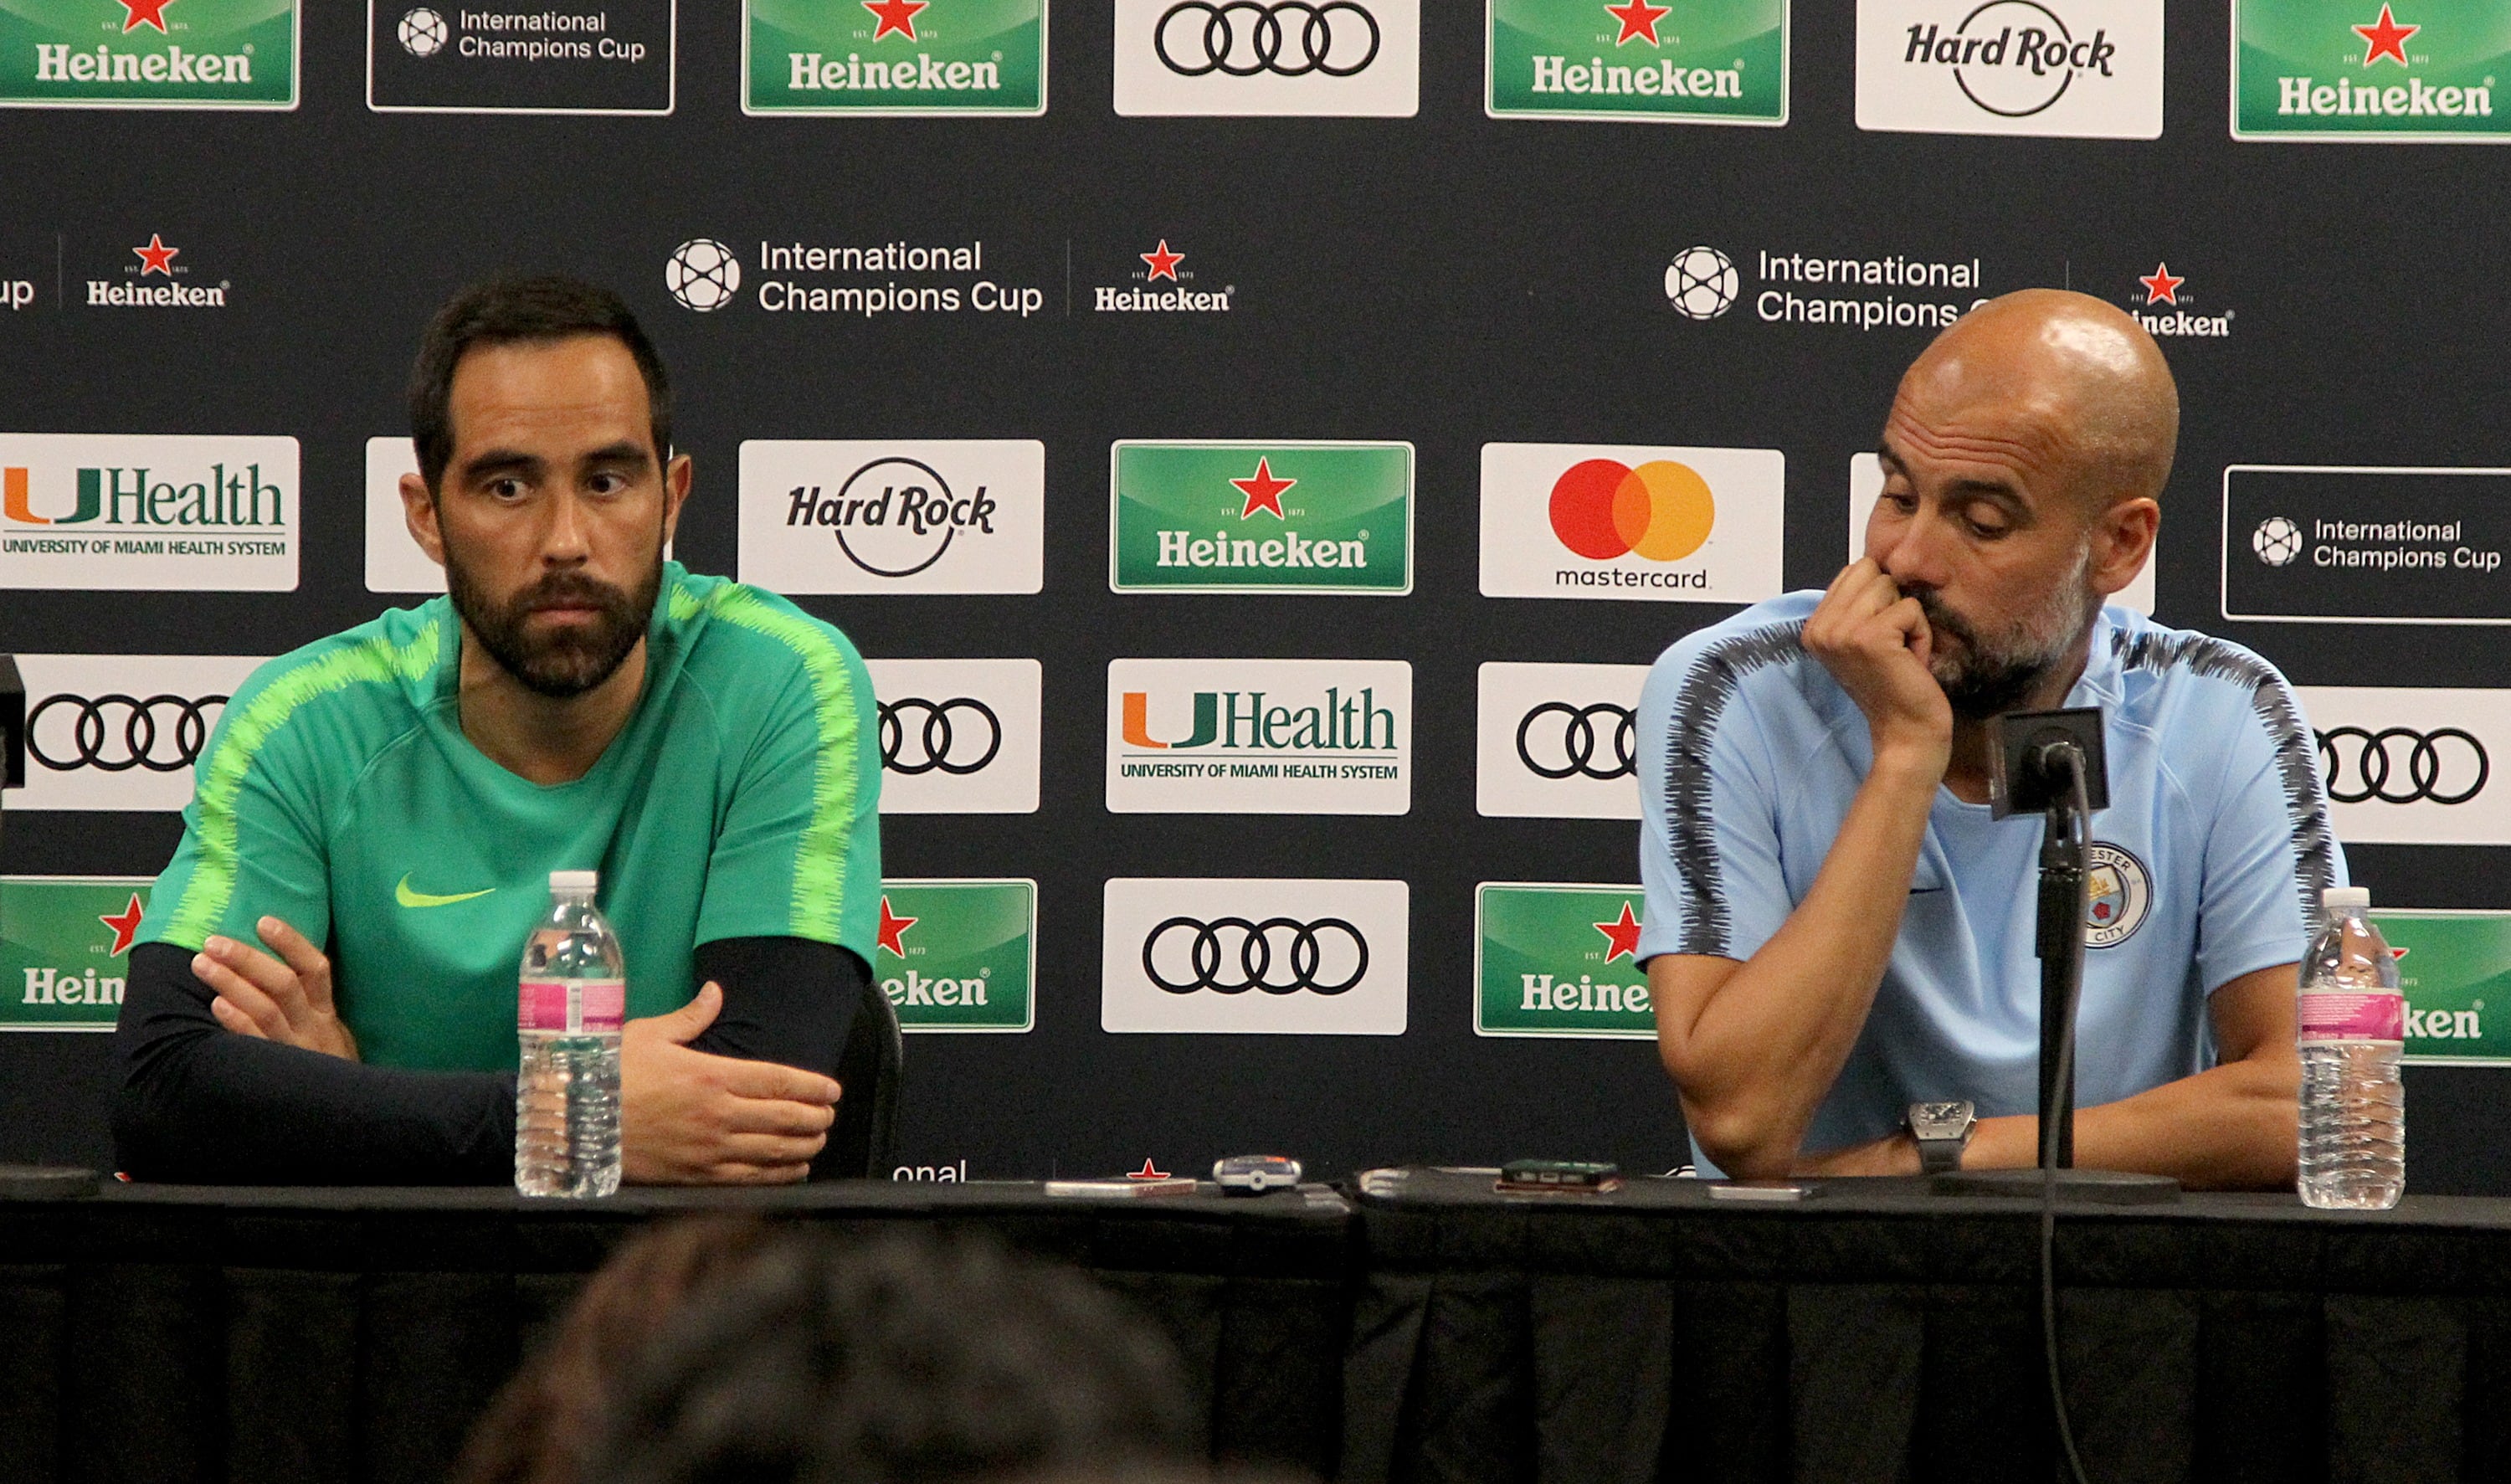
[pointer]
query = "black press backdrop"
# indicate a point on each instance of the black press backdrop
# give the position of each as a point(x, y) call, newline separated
point(1445, 279)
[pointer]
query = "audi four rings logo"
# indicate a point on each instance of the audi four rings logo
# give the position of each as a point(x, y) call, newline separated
point(116, 733)
point(2401, 765)
point(1289, 39)
point(938, 739)
point(1580, 729)
point(1280, 956)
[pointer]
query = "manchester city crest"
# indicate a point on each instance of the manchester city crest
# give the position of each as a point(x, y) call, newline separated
point(2117, 891)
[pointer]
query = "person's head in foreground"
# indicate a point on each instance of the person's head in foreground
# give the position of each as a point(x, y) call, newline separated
point(923, 1358)
point(541, 1422)
point(2024, 463)
point(1839, 935)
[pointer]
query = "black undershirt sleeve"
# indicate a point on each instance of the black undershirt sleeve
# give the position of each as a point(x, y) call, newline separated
point(785, 999)
point(199, 1103)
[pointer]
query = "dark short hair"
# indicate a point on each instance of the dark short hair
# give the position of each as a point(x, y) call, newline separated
point(522, 310)
point(908, 1357)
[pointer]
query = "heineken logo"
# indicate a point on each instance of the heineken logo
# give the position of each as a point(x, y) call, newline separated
point(66, 955)
point(1559, 960)
point(134, 292)
point(1141, 296)
point(1557, 741)
point(1700, 61)
point(958, 956)
point(2407, 71)
point(938, 516)
point(149, 512)
point(2450, 969)
point(2072, 69)
point(958, 736)
point(149, 54)
point(1254, 956)
point(1580, 521)
point(875, 56)
point(1259, 737)
point(2171, 306)
point(1262, 518)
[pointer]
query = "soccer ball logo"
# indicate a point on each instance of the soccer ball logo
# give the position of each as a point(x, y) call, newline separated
point(2277, 541)
point(703, 275)
point(422, 32)
point(1701, 282)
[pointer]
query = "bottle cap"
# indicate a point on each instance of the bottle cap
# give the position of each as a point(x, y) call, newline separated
point(585, 882)
point(2336, 900)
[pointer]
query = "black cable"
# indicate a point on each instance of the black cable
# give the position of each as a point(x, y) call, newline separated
point(2065, 1077)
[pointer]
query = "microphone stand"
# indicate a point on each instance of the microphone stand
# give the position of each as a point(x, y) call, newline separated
point(2052, 763)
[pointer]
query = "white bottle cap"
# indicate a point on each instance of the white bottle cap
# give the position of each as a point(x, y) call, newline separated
point(571, 882)
point(2337, 901)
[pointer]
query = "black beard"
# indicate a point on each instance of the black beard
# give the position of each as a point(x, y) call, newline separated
point(565, 663)
point(1986, 684)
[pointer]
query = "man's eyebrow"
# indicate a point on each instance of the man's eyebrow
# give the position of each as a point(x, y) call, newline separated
point(624, 452)
point(495, 462)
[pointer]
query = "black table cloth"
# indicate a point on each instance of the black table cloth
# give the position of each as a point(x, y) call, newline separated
point(1880, 1333)
point(168, 1333)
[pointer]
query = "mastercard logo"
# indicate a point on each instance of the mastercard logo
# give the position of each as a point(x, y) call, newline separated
point(1661, 510)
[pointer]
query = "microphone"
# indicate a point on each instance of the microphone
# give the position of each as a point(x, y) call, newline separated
point(2027, 771)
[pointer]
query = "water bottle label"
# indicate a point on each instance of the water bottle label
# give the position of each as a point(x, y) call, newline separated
point(602, 1005)
point(2346, 1015)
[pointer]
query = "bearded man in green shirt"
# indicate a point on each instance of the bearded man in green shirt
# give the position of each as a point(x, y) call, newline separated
point(325, 989)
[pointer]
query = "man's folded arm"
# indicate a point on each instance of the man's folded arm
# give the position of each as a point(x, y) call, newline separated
point(790, 1000)
point(200, 1103)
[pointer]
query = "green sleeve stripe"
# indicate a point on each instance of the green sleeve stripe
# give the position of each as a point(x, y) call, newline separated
point(211, 887)
point(819, 857)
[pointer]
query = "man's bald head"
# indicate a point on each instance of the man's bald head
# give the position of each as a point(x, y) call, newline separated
point(2066, 372)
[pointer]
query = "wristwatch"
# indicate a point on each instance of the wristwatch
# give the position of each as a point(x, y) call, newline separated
point(1943, 1131)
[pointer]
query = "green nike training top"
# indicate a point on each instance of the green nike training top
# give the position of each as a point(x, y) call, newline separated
point(340, 794)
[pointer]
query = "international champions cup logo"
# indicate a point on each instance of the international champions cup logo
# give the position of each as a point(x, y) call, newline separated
point(1661, 511)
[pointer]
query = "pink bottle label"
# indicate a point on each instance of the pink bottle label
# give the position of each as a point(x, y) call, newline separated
point(541, 1005)
point(2346, 1015)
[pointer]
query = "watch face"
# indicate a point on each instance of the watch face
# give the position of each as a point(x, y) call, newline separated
point(1947, 1117)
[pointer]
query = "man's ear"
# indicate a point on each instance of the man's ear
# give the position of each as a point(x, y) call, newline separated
point(2123, 538)
point(677, 478)
point(418, 512)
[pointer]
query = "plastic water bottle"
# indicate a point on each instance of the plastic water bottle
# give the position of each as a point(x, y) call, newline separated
point(569, 1006)
point(2353, 1025)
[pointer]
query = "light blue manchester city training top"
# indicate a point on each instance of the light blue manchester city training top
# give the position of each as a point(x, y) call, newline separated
point(2206, 866)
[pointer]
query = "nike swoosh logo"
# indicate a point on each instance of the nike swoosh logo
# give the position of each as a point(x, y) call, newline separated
point(408, 898)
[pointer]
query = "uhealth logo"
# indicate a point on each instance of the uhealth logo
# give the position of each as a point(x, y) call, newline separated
point(1261, 517)
point(1581, 520)
point(149, 512)
point(1259, 737)
point(2077, 68)
point(1256, 956)
point(935, 515)
point(2416, 70)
